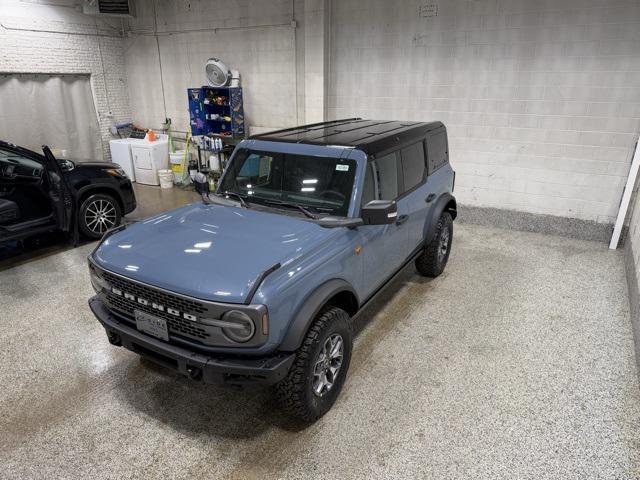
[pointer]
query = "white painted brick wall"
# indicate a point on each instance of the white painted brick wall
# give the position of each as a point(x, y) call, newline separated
point(265, 58)
point(39, 52)
point(541, 97)
point(633, 235)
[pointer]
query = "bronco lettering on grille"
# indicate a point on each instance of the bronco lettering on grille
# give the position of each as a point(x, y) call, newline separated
point(154, 305)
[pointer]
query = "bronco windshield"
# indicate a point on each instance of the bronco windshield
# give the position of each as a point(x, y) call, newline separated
point(322, 184)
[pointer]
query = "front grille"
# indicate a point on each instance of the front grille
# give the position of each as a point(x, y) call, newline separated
point(153, 295)
point(186, 316)
point(176, 324)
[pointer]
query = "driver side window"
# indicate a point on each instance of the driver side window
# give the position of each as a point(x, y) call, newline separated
point(369, 187)
point(387, 176)
point(381, 179)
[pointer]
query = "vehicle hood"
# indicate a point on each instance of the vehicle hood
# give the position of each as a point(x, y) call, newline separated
point(211, 252)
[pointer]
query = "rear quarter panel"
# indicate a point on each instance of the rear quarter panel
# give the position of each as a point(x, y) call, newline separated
point(439, 183)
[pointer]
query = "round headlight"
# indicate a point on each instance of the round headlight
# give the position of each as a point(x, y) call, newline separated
point(239, 326)
point(97, 282)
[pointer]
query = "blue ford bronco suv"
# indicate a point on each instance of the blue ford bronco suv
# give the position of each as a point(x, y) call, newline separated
point(260, 281)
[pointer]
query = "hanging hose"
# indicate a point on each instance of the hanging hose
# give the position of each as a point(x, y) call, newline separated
point(186, 180)
point(172, 147)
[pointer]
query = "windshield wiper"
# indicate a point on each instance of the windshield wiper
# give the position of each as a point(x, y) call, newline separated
point(293, 205)
point(238, 196)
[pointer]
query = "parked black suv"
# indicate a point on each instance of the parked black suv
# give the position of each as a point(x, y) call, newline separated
point(39, 193)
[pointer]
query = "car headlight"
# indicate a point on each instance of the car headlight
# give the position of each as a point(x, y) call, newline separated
point(117, 172)
point(97, 282)
point(237, 326)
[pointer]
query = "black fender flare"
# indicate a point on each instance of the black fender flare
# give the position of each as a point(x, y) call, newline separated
point(307, 312)
point(443, 203)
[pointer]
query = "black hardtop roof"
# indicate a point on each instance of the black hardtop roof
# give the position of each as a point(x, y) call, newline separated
point(370, 136)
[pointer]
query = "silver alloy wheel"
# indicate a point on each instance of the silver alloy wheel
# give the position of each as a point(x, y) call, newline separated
point(444, 245)
point(100, 216)
point(328, 363)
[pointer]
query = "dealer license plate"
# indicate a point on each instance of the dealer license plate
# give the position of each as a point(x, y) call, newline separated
point(152, 325)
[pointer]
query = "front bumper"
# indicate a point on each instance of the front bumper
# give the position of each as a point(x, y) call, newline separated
point(266, 370)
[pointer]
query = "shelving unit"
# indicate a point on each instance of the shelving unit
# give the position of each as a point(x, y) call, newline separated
point(216, 111)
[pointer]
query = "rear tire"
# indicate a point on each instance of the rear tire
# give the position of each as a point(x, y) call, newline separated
point(435, 255)
point(319, 370)
point(98, 213)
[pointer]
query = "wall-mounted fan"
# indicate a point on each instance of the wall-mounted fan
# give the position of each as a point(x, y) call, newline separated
point(218, 74)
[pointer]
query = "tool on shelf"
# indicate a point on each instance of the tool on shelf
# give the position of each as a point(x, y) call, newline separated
point(216, 110)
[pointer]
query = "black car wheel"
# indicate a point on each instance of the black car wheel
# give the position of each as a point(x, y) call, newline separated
point(316, 377)
point(435, 255)
point(98, 213)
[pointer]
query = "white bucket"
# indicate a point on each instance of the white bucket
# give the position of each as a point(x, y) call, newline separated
point(177, 157)
point(166, 178)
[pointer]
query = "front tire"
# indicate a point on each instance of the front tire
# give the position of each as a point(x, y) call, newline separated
point(435, 255)
point(319, 370)
point(98, 213)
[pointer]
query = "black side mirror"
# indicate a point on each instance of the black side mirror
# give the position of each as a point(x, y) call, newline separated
point(379, 212)
point(200, 183)
point(66, 165)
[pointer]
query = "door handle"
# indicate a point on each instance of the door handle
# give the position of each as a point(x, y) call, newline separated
point(430, 197)
point(401, 219)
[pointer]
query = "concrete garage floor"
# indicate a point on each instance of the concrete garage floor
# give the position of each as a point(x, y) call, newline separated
point(517, 362)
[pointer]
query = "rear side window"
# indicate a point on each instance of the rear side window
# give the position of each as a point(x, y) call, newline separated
point(437, 151)
point(387, 176)
point(413, 165)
